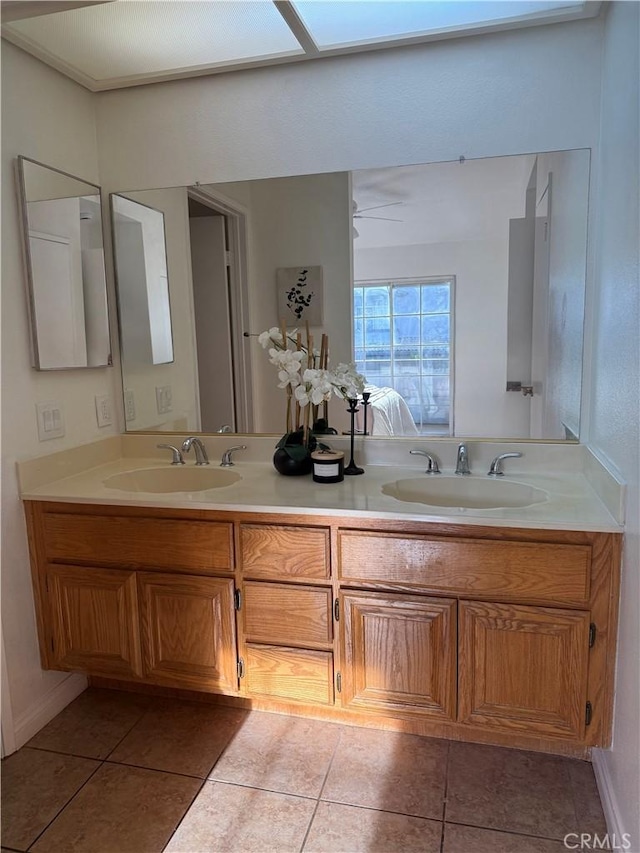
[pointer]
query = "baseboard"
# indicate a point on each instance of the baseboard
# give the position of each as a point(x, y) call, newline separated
point(30, 723)
point(612, 816)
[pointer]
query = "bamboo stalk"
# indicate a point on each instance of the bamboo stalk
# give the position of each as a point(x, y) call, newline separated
point(324, 364)
point(298, 348)
point(283, 332)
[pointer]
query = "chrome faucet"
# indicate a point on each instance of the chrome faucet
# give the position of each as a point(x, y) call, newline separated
point(462, 460)
point(432, 462)
point(177, 455)
point(495, 469)
point(227, 461)
point(198, 448)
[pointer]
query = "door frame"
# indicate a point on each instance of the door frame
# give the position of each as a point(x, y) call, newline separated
point(236, 218)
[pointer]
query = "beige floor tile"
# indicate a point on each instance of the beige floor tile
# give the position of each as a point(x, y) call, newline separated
point(469, 839)
point(586, 798)
point(390, 771)
point(337, 829)
point(510, 790)
point(121, 810)
point(180, 737)
point(35, 786)
point(279, 753)
point(93, 724)
point(232, 819)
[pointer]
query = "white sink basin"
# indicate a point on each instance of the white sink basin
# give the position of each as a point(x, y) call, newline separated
point(172, 479)
point(464, 492)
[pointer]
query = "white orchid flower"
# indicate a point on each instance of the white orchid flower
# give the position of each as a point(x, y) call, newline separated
point(273, 336)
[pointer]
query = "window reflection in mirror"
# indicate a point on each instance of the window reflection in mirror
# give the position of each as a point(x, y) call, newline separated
point(66, 283)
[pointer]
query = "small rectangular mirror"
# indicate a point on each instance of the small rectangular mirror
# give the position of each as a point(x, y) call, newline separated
point(142, 280)
point(64, 257)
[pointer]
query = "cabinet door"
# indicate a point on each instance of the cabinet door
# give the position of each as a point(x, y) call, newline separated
point(399, 653)
point(94, 616)
point(188, 632)
point(523, 668)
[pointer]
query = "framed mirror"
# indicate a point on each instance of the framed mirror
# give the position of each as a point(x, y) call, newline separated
point(64, 259)
point(488, 255)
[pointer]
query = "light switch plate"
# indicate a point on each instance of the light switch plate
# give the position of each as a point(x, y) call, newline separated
point(50, 420)
point(103, 410)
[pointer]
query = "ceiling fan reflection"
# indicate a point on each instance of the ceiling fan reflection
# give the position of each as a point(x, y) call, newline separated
point(359, 213)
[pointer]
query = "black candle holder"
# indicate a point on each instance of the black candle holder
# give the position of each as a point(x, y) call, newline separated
point(352, 468)
point(365, 406)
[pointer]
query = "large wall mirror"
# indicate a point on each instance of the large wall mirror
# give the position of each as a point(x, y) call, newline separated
point(458, 289)
point(64, 257)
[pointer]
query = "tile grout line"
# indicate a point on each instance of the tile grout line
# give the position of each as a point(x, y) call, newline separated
point(186, 812)
point(446, 794)
point(101, 763)
point(322, 787)
point(506, 831)
point(204, 782)
point(68, 802)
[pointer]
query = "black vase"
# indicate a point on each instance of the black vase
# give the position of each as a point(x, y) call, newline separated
point(290, 467)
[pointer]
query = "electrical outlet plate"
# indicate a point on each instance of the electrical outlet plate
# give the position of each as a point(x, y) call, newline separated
point(103, 410)
point(129, 406)
point(164, 401)
point(50, 420)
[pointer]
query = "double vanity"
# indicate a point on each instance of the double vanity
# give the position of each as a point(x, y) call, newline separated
point(473, 608)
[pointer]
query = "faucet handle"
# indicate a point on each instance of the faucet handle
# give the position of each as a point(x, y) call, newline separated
point(432, 463)
point(177, 455)
point(495, 469)
point(227, 461)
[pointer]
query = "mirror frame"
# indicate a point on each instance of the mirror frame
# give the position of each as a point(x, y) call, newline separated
point(28, 265)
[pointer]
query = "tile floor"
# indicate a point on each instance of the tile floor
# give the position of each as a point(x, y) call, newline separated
point(121, 773)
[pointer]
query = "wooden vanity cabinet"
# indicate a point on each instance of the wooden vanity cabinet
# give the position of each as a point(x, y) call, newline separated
point(521, 642)
point(133, 594)
point(494, 635)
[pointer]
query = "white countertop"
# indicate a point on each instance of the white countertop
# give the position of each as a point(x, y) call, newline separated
point(572, 503)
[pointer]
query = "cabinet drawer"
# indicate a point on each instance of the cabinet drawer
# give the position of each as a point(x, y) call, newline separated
point(278, 551)
point(290, 615)
point(298, 674)
point(532, 570)
point(134, 542)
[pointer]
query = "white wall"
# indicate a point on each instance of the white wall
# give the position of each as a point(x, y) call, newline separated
point(615, 407)
point(568, 175)
point(508, 93)
point(287, 231)
point(48, 118)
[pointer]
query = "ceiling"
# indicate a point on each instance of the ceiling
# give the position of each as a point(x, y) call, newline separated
point(439, 202)
point(110, 44)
